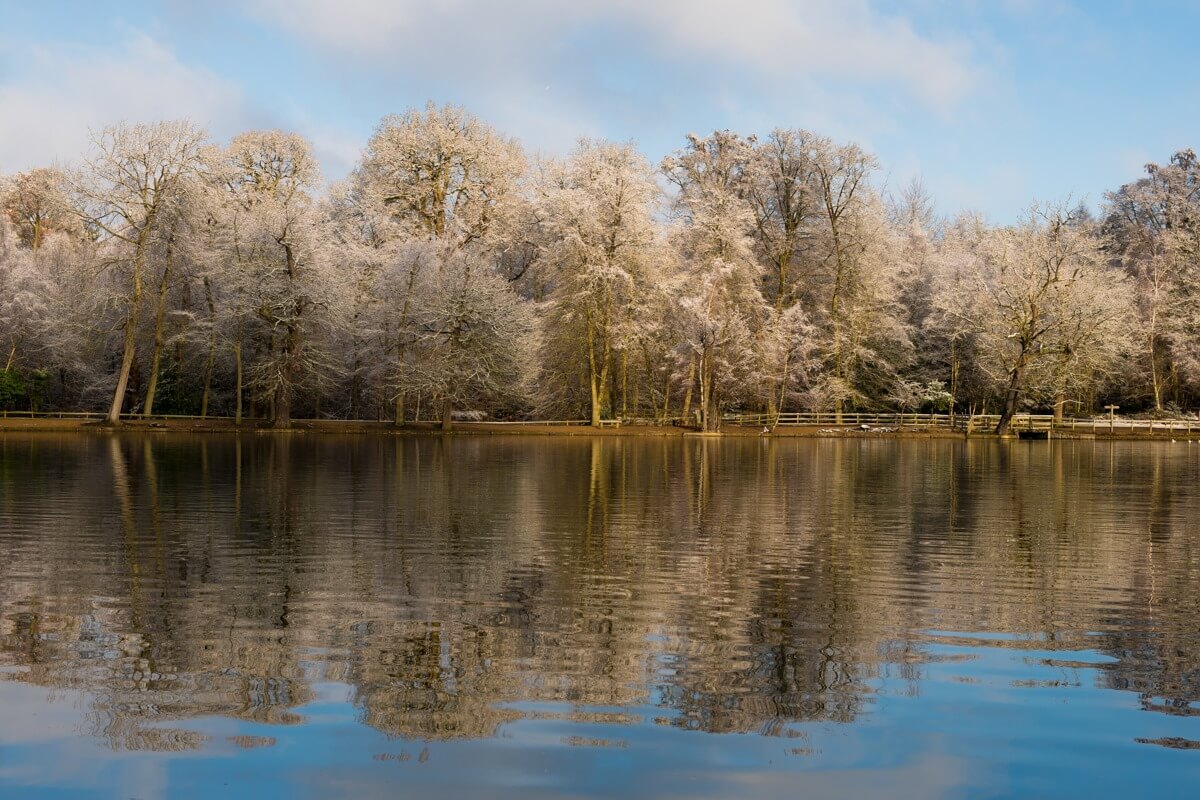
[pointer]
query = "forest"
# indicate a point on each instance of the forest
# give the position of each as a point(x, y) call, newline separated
point(452, 275)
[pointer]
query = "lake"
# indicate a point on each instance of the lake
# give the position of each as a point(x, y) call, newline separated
point(303, 616)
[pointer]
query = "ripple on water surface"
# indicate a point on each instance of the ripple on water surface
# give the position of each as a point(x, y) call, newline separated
point(538, 617)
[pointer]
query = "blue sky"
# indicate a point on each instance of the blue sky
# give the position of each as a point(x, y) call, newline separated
point(994, 104)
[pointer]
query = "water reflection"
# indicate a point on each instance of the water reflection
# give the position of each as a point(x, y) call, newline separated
point(463, 587)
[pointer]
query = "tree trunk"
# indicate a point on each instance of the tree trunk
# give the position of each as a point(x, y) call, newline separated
point(160, 311)
point(131, 324)
point(709, 421)
point(687, 396)
point(666, 412)
point(281, 412)
point(1011, 398)
point(953, 378)
point(290, 358)
point(356, 383)
point(1155, 376)
point(624, 383)
point(237, 403)
point(447, 414)
point(400, 394)
point(211, 360)
point(595, 403)
point(597, 374)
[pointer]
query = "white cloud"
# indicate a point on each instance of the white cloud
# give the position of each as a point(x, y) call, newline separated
point(777, 41)
point(62, 90)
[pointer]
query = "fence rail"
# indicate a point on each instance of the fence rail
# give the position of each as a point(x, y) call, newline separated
point(968, 422)
point(562, 422)
point(844, 419)
point(101, 415)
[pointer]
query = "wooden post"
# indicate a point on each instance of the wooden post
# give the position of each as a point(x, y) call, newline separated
point(1112, 417)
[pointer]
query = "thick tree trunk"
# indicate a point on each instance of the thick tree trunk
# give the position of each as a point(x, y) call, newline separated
point(1011, 398)
point(595, 403)
point(447, 414)
point(131, 324)
point(709, 419)
point(687, 395)
point(598, 370)
point(282, 417)
point(281, 407)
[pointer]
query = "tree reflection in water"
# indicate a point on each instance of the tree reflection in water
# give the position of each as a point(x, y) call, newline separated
point(459, 584)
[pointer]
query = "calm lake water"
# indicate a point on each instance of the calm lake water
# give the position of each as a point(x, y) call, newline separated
point(527, 617)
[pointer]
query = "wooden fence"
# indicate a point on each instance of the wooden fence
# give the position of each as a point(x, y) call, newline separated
point(102, 415)
point(980, 423)
point(977, 423)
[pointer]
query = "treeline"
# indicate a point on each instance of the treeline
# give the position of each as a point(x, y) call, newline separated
point(452, 274)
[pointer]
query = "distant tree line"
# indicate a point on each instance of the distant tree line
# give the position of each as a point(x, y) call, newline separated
point(451, 272)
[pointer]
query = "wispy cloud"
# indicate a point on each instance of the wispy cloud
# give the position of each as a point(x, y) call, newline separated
point(60, 91)
point(776, 41)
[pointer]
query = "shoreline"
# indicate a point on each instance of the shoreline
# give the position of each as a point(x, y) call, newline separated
point(363, 427)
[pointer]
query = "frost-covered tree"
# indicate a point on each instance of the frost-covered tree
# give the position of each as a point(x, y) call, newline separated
point(439, 173)
point(284, 276)
point(866, 341)
point(18, 312)
point(1154, 225)
point(131, 175)
point(721, 311)
point(600, 248)
point(782, 189)
point(433, 175)
point(180, 275)
point(1043, 303)
point(36, 204)
point(474, 336)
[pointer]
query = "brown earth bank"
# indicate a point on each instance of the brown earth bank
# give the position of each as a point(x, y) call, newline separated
point(540, 429)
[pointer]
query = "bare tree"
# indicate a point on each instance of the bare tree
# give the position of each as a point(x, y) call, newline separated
point(36, 204)
point(720, 309)
point(597, 208)
point(440, 173)
point(121, 190)
point(1038, 303)
point(283, 273)
point(473, 332)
